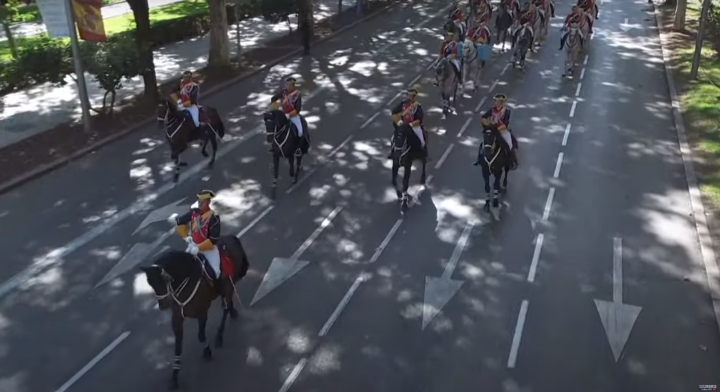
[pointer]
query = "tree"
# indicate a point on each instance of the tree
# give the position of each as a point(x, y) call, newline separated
point(680, 8)
point(8, 14)
point(110, 63)
point(141, 12)
point(219, 55)
point(306, 17)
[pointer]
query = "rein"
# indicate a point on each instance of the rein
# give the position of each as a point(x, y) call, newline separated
point(497, 153)
point(175, 293)
point(169, 122)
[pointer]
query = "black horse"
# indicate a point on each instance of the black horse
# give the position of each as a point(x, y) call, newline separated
point(180, 131)
point(285, 142)
point(406, 148)
point(522, 41)
point(493, 159)
point(503, 22)
point(181, 283)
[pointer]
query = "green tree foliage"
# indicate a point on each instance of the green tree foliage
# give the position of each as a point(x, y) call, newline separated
point(713, 27)
point(10, 13)
point(111, 63)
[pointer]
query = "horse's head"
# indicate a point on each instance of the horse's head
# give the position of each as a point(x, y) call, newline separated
point(400, 138)
point(273, 120)
point(167, 109)
point(160, 281)
point(489, 142)
point(573, 30)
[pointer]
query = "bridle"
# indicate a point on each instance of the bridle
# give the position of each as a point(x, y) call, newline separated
point(491, 148)
point(279, 129)
point(168, 122)
point(174, 293)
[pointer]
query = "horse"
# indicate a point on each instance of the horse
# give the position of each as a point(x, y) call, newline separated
point(180, 131)
point(448, 83)
point(573, 44)
point(503, 21)
point(540, 25)
point(521, 46)
point(285, 142)
point(471, 64)
point(493, 159)
point(459, 32)
point(181, 283)
point(405, 149)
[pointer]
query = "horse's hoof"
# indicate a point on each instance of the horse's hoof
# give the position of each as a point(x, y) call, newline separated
point(233, 313)
point(207, 354)
point(399, 195)
point(487, 206)
point(219, 341)
point(205, 154)
point(495, 203)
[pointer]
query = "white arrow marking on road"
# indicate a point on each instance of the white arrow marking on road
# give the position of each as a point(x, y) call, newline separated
point(438, 291)
point(281, 269)
point(162, 214)
point(137, 254)
point(627, 27)
point(617, 318)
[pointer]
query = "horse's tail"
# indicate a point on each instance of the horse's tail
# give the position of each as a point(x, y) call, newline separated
point(217, 122)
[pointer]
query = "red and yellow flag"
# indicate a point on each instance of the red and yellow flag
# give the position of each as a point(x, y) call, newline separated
point(89, 20)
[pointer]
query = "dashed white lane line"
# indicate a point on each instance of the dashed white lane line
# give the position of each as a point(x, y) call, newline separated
point(517, 336)
point(410, 31)
point(586, 59)
point(444, 156)
point(558, 165)
point(566, 135)
point(341, 306)
point(577, 90)
point(255, 221)
point(548, 204)
point(293, 375)
point(107, 350)
point(464, 127)
point(535, 258)
point(505, 68)
point(480, 105)
point(572, 109)
point(494, 85)
point(582, 74)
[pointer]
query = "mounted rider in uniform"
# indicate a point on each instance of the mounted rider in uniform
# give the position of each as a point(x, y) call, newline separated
point(589, 7)
point(449, 50)
point(527, 19)
point(291, 104)
point(575, 16)
point(189, 91)
point(480, 35)
point(513, 7)
point(411, 113)
point(499, 116)
point(200, 227)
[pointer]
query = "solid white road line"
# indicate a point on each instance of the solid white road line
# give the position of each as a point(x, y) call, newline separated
point(548, 204)
point(495, 83)
point(567, 134)
point(558, 165)
point(309, 241)
point(293, 375)
point(536, 257)
point(577, 90)
point(517, 337)
point(444, 156)
point(480, 105)
point(617, 270)
point(341, 306)
point(255, 221)
point(464, 127)
point(107, 350)
point(572, 109)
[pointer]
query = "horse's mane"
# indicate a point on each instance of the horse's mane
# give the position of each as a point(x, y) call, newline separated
point(174, 259)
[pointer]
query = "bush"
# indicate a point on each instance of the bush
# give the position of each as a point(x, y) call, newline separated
point(48, 60)
point(110, 63)
point(713, 27)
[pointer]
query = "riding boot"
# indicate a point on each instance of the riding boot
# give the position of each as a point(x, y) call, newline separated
point(562, 41)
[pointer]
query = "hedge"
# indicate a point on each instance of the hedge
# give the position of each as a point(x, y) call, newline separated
point(50, 60)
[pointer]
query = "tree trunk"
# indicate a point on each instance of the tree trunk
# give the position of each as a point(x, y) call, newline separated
point(10, 39)
point(680, 8)
point(219, 55)
point(141, 12)
point(670, 3)
point(306, 16)
point(340, 6)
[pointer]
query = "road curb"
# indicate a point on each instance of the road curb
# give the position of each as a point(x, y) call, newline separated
point(54, 165)
point(707, 249)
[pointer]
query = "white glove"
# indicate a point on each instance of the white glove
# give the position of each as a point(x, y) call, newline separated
point(193, 249)
point(189, 240)
point(399, 123)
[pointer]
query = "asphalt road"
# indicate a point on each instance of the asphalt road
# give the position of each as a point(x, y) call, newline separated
point(620, 177)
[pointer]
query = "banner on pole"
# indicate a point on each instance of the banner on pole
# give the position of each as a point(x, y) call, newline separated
point(89, 20)
point(55, 18)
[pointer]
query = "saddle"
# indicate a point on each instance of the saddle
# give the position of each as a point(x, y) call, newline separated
point(226, 266)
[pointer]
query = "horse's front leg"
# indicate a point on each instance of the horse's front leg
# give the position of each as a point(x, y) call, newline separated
point(177, 327)
point(298, 168)
point(486, 178)
point(291, 164)
point(496, 188)
point(214, 146)
point(203, 145)
point(423, 176)
point(176, 163)
point(275, 174)
point(407, 171)
point(226, 303)
point(395, 169)
point(505, 178)
point(202, 338)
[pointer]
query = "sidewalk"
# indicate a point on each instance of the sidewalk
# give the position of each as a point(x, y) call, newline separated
point(20, 30)
point(40, 108)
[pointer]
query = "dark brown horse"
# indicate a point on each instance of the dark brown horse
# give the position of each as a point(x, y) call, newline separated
point(406, 148)
point(182, 284)
point(285, 143)
point(180, 131)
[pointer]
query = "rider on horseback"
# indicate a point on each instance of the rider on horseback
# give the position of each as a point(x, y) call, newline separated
point(411, 113)
point(455, 12)
point(483, 13)
point(512, 6)
point(589, 7)
point(480, 35)
point(499, 116)
point(575, 16)
point(449, 50)
point(200, 227)
point(291, 104)
point(189, 91)
point(545, 5)
point(527, 18)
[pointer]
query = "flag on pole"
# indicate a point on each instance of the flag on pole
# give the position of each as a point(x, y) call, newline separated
point(89, 20)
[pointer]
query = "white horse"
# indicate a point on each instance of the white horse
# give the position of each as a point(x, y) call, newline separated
point(573, 45)
point(471, 65)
